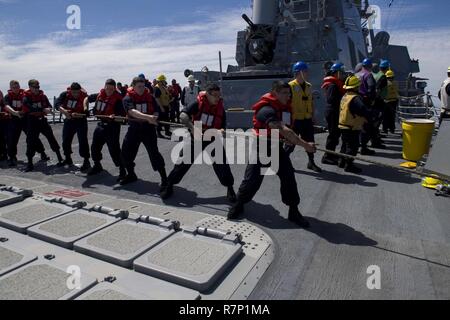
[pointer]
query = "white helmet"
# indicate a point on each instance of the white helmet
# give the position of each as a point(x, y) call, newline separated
point(191, 78)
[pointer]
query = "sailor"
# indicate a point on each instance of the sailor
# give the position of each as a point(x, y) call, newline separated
point(444, 96)
point(190, 92)
point(334, 91)
point(369, 93)
point(71, 104)
point(391, 99)
point(4, 124)
point(140, 106)
point(382, 90)
point(163, 98)
point(36, 107)
point(108, 106)
point(148, 84)
point(273, 112)
point(303, 110)
point(13, 105)
point(208, 109)
point(175, 93)
point(353, 114)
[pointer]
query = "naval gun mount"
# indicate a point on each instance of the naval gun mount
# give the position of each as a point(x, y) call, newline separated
point(318, 32)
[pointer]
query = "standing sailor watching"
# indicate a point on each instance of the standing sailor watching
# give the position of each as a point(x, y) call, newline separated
point(269, 116)
point(108, 105)
point(163, 98)
point(368, 91)
point(334, 91)
point(353, 114)
point(140, 106)
point(444, 96)
point(36, 107)
point(13, 105)
point(71, 104)
point(303, 110)
point(190, 92)
point(391, 100)
point(210, 111)
point(175, 92)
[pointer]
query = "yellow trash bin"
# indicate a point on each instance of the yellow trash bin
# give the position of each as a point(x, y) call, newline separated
point(417, 134)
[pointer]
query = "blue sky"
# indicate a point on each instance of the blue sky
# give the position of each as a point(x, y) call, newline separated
point(122, 38)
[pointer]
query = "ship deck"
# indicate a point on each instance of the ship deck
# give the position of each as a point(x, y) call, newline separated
point(381, 217)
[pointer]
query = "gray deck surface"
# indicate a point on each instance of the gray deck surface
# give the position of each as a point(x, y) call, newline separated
point(381, 217)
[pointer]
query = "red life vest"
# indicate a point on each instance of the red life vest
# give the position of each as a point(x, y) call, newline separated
point(72, 104)
point(210, 116)
point(16, 100)
point(105, 105)
point(333, 80)
point(38, 103)
point(143, 103)
point(283, 112)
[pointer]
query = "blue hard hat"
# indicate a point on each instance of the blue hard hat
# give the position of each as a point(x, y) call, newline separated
point(337, 67)
point(299, 66)
point(385, 64)
point(142, 76)
point(367, 62)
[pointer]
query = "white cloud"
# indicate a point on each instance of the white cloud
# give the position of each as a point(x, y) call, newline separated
point(431, 47)
point(67, 56)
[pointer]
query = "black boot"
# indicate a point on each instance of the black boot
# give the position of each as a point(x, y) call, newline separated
point(342, 163)
point(231, 195)
point(166, 191)
point(296, 217)
point(329, 160)
point(131, 177)
point(351, 168)
point(122, 174)
point(312, 166)
point(96, 169)
point(86, 165)
point(235, 211)
point(164, 181)
point(367, 152)
point(3, 157)
point(30, 166)
point(44, 157)
point(12, 162)
point(68, 162)
point(60, 159)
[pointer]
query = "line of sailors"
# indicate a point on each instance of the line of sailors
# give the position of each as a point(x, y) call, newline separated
point(288, 108)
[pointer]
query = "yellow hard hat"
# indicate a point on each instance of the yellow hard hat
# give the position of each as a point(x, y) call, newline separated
point(161, 78)
point(390, 74)
point(352, 82)
point(448, 70)
point(431, 182)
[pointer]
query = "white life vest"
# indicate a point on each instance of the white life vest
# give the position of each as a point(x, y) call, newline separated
point(445, 99)
point(190, 95)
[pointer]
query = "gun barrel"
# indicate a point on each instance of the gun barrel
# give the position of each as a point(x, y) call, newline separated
point(247, 19)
